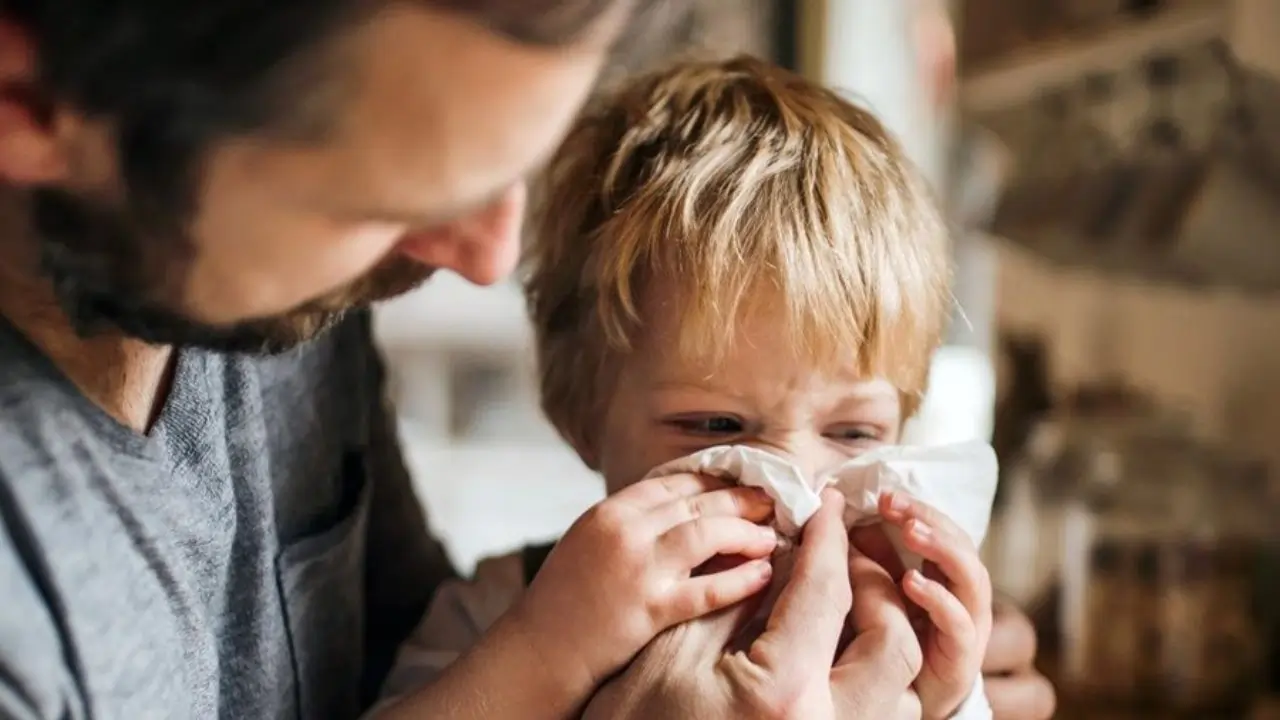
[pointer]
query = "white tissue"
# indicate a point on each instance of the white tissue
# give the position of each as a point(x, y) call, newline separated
point(958, 480)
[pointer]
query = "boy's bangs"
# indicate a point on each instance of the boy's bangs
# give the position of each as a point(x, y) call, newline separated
point(842, 301)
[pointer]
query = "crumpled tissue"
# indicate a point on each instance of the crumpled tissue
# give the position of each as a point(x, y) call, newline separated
point(959, 480)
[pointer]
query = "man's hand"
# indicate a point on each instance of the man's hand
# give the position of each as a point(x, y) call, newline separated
point(1014, 687)
point(787, 671)
point(626, 569)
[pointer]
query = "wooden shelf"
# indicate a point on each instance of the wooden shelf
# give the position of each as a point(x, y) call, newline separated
point(1020, 76)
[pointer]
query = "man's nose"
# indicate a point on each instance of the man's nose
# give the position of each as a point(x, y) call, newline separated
point(482, 247)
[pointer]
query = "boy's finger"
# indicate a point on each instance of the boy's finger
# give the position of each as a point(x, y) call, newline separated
point(956, 636)
point(650, 493)
point(900, 509)
point(741, 502)
point(689, 545)
point(705, 594)
point(960, 565)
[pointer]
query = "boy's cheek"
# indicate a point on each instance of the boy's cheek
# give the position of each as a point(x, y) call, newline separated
point(626, 466)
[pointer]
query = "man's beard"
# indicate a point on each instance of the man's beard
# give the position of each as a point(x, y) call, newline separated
point(110, 272)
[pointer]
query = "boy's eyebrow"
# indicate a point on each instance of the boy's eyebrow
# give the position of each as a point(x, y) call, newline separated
point(703, 384)
point(866, 393)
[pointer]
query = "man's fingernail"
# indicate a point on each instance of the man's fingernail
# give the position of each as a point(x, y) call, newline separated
point(916, 579)
point(764, 567)
point(920, 530)
point(769, 533)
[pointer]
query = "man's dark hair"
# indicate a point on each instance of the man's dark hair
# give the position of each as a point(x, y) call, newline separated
point(172, 76)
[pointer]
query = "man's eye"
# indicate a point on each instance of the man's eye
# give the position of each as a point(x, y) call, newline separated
point(708, 425)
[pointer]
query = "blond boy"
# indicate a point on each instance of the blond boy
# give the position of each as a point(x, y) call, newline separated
point(729, 254)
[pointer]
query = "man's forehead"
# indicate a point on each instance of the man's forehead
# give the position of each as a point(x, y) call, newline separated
point(549, 22)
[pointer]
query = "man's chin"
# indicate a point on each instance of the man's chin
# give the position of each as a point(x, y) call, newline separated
point(283, 332)
point(260, 336)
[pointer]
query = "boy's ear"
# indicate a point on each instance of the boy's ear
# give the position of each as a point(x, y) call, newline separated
point(587, 452)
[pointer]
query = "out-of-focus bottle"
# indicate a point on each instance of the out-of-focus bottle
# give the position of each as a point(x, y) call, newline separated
point(1164, 563)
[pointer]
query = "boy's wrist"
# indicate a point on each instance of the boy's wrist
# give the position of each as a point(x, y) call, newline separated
point(974, 705)
point(551, 656)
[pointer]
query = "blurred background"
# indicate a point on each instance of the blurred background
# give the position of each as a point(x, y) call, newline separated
point(1112, 169)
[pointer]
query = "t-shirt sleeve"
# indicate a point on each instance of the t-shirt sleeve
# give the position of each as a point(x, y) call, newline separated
point(459, 615)
point(35, 680)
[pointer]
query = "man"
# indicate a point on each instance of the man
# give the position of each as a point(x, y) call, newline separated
point(204, 512)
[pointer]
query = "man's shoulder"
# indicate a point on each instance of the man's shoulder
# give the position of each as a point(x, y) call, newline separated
point(41, 413)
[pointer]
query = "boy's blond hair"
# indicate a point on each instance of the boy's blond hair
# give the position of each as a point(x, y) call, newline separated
point(732, 181)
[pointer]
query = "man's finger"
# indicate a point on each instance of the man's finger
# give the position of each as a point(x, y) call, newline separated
point(872, 541)
point(804, 628)
point(1012, 646)
point(908, 707)
point(872, 674)
point(1025, 697)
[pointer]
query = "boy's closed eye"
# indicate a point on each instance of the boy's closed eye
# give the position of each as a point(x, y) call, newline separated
point(723, 427)
point(855, 434)
point(707, 425)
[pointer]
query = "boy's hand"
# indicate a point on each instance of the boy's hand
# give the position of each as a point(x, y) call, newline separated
point(626, 571)
point(954, 591)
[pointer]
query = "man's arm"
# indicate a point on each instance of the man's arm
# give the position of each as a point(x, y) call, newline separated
point(405, 563)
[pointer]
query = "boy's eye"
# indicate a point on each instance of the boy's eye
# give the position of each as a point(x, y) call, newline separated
point(854, 433)
point(707, 424)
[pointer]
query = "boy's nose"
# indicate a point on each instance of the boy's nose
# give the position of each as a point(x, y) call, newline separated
point(810, 453)
point(482, 247)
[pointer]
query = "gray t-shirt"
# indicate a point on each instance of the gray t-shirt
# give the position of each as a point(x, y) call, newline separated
point(259, 554)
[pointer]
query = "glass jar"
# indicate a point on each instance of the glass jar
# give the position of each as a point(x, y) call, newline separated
point(1058, 462)
point(1164, 564)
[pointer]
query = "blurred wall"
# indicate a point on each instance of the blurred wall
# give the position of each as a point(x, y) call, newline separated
point(1216, 355)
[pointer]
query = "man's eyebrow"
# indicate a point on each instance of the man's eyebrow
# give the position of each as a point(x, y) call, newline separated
point(424, 218)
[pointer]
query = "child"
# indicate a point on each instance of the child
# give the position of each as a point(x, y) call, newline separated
point(728, 254)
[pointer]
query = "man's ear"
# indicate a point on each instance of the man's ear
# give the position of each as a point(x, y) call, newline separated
point(30, 153)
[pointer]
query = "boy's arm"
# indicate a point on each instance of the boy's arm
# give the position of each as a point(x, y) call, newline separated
point(467, 660)
point(460, 615)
